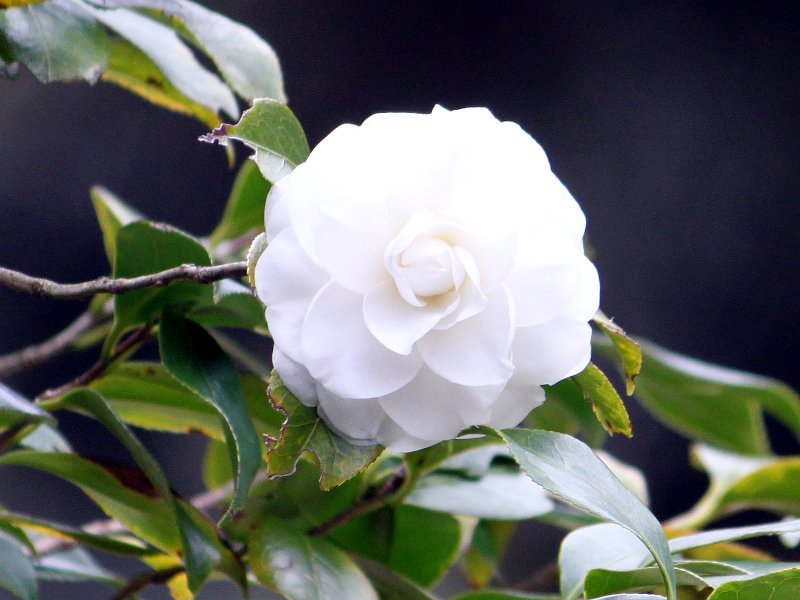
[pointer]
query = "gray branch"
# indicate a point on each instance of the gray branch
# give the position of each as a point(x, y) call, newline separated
point(45, 288)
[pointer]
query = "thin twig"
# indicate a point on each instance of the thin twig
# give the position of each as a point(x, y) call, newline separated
point(45, 288)
point(146, 579)
point(97, 369)
point(36, 354)
point(370, 501)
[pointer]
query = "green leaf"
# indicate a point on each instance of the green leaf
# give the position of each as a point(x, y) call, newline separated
point(56, 40)
point(200, 546)
point(773, 487)
point(247, 63)
point(16, 571)
point(193, 357)
point(112, 214)
point(502, 493)
point(45, 438)
point(300, 567)
point(714, 404)
point(731, 534)
point(172, 57)
point(606, 403)
point(146, 516)
point(273, 132)
point(15, 409)
point(244, 211)
point(504, 595)
point(390, 584)
point(632, 597)
point(566, 410)
point(488, 547)
point(143, 248)
point(235, 306)
point(146, 395)
point(602, 546)
point(74, 565)
point(304, 431)
point(118, 544)
point(570, 470)
point(216, 465)
point(133, 70)
point(783, 585)
point(628, 351)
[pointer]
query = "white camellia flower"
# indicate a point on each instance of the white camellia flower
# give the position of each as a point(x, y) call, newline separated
point(425, 273)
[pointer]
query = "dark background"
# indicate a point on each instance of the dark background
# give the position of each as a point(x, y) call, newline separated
point(675, 125)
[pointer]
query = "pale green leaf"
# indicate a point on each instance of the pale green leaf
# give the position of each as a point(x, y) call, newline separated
point(56, 40)
point(112, 214)
point(273, 132)
point(14, 409)
point(570, 470)
point(172, 57)
point(16, 571)
point(606, 403)
point(628, 350)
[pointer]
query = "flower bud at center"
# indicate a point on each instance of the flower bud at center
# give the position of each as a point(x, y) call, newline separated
point(431, 267)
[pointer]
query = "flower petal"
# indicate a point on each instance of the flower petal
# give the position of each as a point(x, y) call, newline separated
point(431, 407)
point(474, 351)
point(355, 419)
point(394, 322)
point(341, 353)
point(296, 377)
point(286, 282)
point(545, 354)
point(514, 403)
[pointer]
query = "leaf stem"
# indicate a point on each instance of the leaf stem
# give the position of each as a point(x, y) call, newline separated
point(134, 340)
point(373, 499)
point(146, 579)
point(36, 354)
point(46, 288)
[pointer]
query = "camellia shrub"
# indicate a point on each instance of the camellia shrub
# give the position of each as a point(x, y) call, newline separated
point(434, 322)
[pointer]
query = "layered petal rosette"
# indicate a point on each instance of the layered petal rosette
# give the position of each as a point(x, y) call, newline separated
point(425, 273)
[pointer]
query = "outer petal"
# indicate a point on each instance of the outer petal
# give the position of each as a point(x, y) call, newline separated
point(430, 407)
point(296, 377)
point(287, 281)
point(475, 351)
point(547, 353)
point(550, 275)
point(358, 420)
point(397, 439)
point(394, 322)
point(341, 353)
point(516, 400)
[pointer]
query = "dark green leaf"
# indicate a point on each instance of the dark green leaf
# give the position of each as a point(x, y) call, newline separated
point(300, 567)
point(132, 69)
point(601, 582)
point(216, 465)
point(14, 409)
point(235, 305)
point(200, 546)
point(783, 585)
point(714, 404)
point(390, 584)
point(172, 57)
point(570, 470)
point(606, 403)
point(144, 248)
point(567, 411)
point(16, 570)
point(244, 211)
point(193, 357)
point(112, 214)
point(273, 132)
point(304, 431)
point(56, 40)
point(628, 350)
